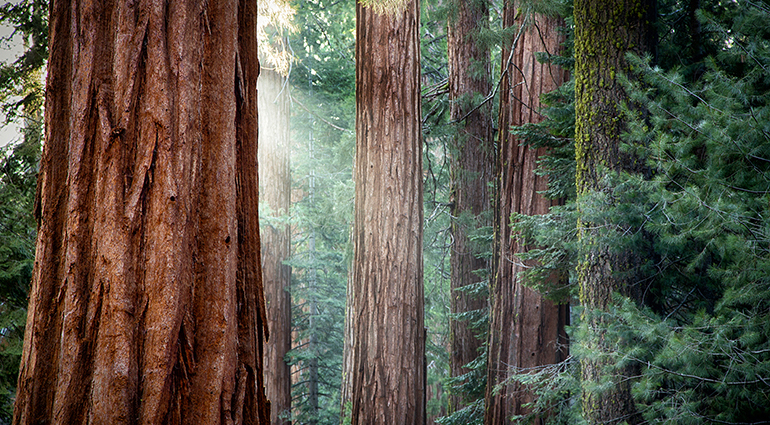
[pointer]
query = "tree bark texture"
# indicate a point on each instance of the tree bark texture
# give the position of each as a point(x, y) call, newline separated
point(388, 347)
point(146, 304)
point(274, 140)
point(605, 31)
point(471, 171)
point(526, 330)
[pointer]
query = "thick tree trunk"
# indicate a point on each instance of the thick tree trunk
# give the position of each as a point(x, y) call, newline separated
point(471, 170)
point(526, 330)
point(274, 142)
point(605, 31)
point(388, 347)
point(146, 303)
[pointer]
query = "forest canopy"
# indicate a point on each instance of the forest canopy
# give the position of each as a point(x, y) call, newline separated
point(650, 154)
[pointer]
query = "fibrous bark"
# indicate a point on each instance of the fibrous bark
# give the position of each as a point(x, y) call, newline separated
point(605, 31)
point(526, 329)
point(388, 337)
point(471, 170)
point(146, 303)
point(274, 140)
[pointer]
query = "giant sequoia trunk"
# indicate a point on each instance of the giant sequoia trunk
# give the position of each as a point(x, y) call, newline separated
point(605, 31)
point(526, 330)
point(276, 239)
point(386, 286)
point(471, 170)
point(146, 303)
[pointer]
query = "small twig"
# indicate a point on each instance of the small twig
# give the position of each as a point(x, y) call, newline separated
point(294, 99)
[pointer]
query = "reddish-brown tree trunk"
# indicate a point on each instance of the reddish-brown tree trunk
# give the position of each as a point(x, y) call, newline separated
point(471, 171)
point(388, 347)
point(526, 330)
point(274, 142)
point(146, 303)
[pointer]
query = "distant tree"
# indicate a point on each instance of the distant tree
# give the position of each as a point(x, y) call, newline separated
point(605, 32)
point(274, 150)
point(323, 148)
point(526, 329)
point(472, 163)
point(387, 367)
point(146, 303)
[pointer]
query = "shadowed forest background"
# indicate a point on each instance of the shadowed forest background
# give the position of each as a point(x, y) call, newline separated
point(595, 186)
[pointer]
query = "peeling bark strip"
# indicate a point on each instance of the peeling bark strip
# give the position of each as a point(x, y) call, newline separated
point(386, 286)
point(526, 330)
point(146, 304)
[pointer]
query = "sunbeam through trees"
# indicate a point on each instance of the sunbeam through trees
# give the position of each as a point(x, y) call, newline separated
point(385, 212)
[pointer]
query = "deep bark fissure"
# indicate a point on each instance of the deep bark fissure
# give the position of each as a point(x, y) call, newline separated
point(134, 295)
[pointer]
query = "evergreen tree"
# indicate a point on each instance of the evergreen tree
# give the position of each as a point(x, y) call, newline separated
point(698, 337)
point(604, 33)
point(323, 146)
point(274, 149)
point(703, 333)
point(274, 23)
point(21, 96)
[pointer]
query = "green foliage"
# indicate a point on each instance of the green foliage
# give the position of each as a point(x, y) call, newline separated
point(472, 385)
point(698, 218)
point(18, 176)
point(323, 149)
point(21, 97)
point(20, 82)
point(710, 145)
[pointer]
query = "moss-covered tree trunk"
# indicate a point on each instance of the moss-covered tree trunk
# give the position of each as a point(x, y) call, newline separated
point(471, 170)
point(146, 303)
point(388, 337)
point(605, 31)
point(526, 330)
point(274, 149)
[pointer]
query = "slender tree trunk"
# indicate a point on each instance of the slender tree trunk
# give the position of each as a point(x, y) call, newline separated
point(388, 347)
point(471, 171)
point(526, 330)
point(605, 31)
point(274, 142)
point(146, 303)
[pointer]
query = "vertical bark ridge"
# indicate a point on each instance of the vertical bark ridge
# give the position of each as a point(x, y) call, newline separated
point(252, 314)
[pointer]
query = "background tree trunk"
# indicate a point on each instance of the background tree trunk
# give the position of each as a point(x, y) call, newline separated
point(146, 303)
point(274, 150)
point(471, 172)
point(388, 347)
point(526, 330)
point(605, 31)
